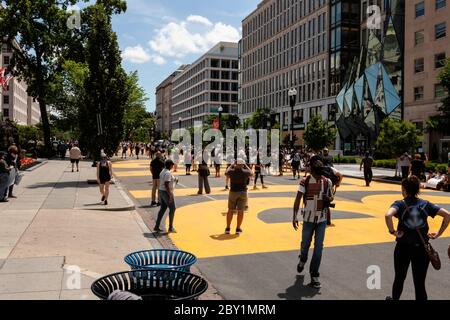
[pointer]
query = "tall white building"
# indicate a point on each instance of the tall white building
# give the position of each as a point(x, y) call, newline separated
point(208, 84)
point(15, 104)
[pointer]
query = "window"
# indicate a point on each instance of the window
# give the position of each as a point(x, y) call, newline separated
point(439, 60)
point(6, 113)
point(440, 4)
point(418, 93)
point(439, 91)
point(440, 30)
point(419, 65)
point(215, 63)
point(420, 9)
point(215, 85)
point(225, 86)
point(6, 99)
point(215, 74)
point(6, 60)
point(225, 75)
point(419, 37)
point(226, 64)
point(214, 96)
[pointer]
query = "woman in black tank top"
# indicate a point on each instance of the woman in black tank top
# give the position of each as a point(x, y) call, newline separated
point(104, 175)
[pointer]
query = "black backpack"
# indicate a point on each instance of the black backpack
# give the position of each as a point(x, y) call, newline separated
point(327, 172)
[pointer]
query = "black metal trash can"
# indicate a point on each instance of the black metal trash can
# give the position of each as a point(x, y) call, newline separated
point(152, 285)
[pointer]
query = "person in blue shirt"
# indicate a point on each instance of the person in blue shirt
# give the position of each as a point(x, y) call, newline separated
point(412, 214)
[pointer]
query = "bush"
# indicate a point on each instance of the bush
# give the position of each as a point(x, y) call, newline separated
point(442, 168)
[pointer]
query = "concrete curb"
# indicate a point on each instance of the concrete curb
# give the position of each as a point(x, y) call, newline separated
point(44, 162)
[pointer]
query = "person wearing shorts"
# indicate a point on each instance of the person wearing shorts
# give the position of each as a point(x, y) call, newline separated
point(75, 156)
point(239, 173)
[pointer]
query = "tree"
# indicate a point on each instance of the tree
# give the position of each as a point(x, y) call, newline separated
point(319, 134)
point(260, 119)
point(136, 116)
point(106, 85)
point(38, 34)
point(443, 120)
point(397, 137)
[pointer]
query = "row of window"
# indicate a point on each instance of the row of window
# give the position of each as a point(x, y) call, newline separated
point(225, 64)
point(439, 62)
point(420, 7)
point(440, 31)
point(439, 92)
point(280, 15)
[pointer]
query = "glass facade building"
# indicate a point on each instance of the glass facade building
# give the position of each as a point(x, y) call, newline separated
point(375, 81)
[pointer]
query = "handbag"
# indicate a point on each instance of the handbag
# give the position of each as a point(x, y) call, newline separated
point(18, 179)
point(432, 254)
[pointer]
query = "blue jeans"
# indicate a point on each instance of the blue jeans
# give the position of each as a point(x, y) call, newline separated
point(318, 231)
point(164, 205)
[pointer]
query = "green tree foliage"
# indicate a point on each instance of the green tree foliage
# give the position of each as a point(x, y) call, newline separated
point(137, 121)
point(319, 134)
point(106, 85)
point(443, 120)
point(260, 119)
point(38, 34)
point(397, 137)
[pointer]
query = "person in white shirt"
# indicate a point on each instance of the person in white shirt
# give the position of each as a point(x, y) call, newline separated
point(166, 188)
point(75, 156)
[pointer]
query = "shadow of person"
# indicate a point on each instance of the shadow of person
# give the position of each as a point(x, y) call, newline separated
point(92, 204)
point(299, 290)
point(224, 237)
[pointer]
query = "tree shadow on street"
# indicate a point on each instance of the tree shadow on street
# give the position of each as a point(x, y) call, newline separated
point(299, 290)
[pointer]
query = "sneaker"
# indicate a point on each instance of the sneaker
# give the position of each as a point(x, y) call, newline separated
point(301, 267)
point(227, 188)
point(12, 197)
point(264, 187)
point(106, 202)
point(227, 231)
point(158, 204)
point(389, 298)
point(153, 204)
point(103, 198)
point(315, 283)
point(157, 230)
point(239, 231)
point(172, 230)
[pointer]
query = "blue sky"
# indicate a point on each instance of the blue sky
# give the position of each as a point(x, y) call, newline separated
point(156, 36)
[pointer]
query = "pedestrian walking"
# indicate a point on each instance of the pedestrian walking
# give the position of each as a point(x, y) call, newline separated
point(316, 193)
point(104, 176)
point(217, 165)
point(327, 158)
point(411, 235)
point(404, 163)
point(4, 177)
point(75, 157)
point(188, 162)
point(137, 148)
point(156, 167)
point(259, 173)
point(239, 174)
point(124, 150)
point(166, 190)
point(367, 163)
point(203, 174)
point(418, 167)
point(296, 158)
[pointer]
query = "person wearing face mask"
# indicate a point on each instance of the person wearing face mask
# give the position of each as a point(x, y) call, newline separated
point(316, 192)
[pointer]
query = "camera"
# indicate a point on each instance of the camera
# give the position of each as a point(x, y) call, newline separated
point(328, 202)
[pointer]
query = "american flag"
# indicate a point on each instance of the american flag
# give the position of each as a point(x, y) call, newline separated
point(4, 79)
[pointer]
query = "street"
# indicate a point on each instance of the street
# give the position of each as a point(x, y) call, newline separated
point(261, 263)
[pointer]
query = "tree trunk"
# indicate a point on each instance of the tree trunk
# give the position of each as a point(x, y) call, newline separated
point(45, 123)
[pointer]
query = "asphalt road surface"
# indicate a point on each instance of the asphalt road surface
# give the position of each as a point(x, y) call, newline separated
point(261, 263)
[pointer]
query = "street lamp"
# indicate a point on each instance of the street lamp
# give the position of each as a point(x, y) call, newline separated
point(292, 101)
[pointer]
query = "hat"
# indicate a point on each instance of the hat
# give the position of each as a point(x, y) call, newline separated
point(103, 155)
point(326, 149)
point(240, 161)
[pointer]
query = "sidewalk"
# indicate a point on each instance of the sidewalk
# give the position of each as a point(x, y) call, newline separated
point(352, 171)
point(56, 222)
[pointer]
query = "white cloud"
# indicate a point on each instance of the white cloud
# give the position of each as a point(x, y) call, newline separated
point(139, 55)
point(178, 39)
point(199, 19)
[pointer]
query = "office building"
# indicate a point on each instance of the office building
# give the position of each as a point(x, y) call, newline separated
point(15, 104)
point(206, 86)
point(164, 103)
point(427, 46)
point(374, 84)
point(302, 45)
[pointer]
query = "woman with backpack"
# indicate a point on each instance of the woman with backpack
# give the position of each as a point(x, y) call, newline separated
point(412, 234)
